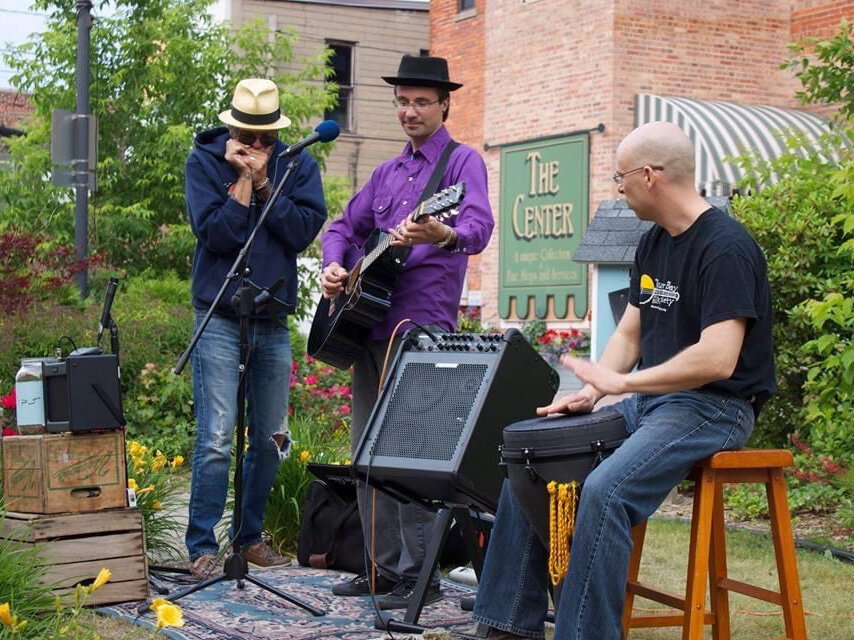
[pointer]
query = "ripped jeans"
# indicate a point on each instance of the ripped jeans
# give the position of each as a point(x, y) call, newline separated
point(215, 379)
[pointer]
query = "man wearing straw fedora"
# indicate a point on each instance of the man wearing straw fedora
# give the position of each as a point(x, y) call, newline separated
point(229, 177)
point(427, 293)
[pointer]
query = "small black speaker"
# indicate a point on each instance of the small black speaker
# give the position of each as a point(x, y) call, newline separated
point(434, 433)
point(82, 393)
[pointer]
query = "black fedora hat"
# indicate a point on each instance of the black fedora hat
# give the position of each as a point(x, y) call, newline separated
point(423, 71)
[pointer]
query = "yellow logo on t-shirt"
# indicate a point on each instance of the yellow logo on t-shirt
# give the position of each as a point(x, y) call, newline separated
point(658, 295)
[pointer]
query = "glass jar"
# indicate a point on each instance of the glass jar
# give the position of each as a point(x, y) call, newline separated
point(29, 394)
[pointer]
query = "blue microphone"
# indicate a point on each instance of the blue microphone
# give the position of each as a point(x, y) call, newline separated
point(326, 131)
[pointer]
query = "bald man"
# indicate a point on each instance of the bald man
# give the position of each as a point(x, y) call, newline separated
point(693, 347)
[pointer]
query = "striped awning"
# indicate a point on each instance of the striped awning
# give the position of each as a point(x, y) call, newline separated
point(725, 129)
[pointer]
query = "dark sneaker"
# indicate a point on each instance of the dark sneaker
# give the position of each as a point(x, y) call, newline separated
point(399, 597)
point(206, 566)
point(262, 555)
point(361, 586)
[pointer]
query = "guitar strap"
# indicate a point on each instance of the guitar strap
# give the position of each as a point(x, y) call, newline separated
point(438, 172)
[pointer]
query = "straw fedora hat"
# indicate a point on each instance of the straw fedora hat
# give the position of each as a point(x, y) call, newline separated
point(255, 106)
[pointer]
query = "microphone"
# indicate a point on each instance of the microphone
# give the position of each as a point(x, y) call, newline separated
point(108, 304)
point(326, 131)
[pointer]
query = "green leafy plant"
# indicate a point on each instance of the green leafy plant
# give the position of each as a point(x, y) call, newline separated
point(160, 414)
point(158, 483)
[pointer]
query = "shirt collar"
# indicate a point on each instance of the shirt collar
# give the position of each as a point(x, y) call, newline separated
point(430, 149)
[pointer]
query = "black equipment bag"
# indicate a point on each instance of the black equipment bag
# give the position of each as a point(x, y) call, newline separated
point(559, 448)
point(330, 535)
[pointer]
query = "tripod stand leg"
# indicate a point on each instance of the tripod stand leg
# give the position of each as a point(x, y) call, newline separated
point(145, 607)
point(300, 603)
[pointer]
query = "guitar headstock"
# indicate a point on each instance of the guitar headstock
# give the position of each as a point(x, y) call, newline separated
point(443, 204)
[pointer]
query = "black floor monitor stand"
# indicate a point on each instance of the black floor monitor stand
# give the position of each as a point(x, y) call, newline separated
point(439, 536)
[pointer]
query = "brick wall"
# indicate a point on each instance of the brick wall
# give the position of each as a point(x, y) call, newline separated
point(819, 17)
point(14, 106)
point(459, 37)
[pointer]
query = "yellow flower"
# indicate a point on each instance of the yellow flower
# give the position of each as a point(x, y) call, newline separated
point(158, 463)
point(9, 619)
point(168, 614)
point(304, 455)
point(104, 576)
point(132, 484)
point(138, 463)
point(136, 450)
point(6, 614)
point(156, 506)
point(147, 489)
point(177, 461)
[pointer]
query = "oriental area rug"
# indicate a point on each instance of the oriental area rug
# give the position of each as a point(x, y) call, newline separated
point(225, 612)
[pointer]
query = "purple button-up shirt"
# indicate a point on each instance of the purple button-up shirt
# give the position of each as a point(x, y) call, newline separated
point(428, 291)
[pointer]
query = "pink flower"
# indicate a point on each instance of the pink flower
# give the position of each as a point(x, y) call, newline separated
point(311, 379)
point(9, 401)
point(344, 409)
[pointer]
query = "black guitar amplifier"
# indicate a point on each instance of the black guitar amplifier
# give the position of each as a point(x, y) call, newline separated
point(434, 434)
point(82, 393)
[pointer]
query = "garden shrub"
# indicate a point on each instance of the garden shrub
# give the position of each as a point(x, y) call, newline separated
point(158, 482)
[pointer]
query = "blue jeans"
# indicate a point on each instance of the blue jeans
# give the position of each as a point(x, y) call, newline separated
point(668, 434)
point(215, 379)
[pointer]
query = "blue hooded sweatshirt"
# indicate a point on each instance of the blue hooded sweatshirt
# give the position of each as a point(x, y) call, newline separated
point(222, 225)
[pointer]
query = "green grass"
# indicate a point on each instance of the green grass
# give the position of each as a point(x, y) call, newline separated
point(825, 585)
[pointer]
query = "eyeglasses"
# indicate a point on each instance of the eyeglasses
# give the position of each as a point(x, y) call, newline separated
point(619, 177)
point(420, 105)
point(267, 138)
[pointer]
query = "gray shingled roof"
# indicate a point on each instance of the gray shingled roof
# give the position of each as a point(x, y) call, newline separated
point(613, 234)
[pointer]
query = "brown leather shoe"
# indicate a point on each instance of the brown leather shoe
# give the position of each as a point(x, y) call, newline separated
point(262, 555)
point(206, 566)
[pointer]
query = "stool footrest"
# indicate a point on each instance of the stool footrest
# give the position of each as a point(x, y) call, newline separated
point(668, 620)
point(657, 595)
point(751, 590)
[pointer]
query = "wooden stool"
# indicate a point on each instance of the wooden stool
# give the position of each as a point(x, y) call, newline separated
point(707, 553)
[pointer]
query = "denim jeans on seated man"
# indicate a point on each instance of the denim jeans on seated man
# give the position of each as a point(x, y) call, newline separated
point(215, 381)
point(668, 434)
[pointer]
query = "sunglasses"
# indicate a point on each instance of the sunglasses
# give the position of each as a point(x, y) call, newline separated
point(267, 138)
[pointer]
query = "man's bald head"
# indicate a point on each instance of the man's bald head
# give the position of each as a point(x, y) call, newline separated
point(659, 144)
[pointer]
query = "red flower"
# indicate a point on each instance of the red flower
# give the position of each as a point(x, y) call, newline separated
point(344, 409)
point(9, 401)
point(9, 432)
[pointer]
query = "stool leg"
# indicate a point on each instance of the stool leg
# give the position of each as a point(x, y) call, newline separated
point(784, 549)
point(718, 596)
point(638, 535)
point(698, 556)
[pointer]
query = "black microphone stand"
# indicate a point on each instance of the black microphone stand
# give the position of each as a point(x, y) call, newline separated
point(248, 298)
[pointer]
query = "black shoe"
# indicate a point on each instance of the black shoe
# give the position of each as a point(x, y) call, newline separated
point(361, 586)
point(400, 596)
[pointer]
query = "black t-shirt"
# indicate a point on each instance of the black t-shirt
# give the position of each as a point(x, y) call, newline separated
point(711, 272)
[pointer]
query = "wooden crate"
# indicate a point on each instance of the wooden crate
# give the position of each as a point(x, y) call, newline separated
point(64, 472)
point(76, 546)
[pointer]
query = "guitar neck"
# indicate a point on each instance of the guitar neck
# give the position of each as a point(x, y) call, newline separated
point(415, 215)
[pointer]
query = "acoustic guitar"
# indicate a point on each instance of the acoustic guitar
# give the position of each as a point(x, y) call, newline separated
point(341, 325)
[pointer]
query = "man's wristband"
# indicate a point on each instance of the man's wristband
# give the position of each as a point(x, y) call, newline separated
point(261, 185)
point(449, 239)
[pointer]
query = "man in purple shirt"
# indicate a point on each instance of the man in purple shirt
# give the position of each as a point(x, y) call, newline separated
point(427, 293)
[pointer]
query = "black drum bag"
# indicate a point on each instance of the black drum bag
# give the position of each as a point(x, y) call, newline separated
point(560, 448)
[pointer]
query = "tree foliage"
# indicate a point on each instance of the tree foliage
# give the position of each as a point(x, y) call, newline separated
point(824, 68)
point(161, 70)
point(805, 225)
